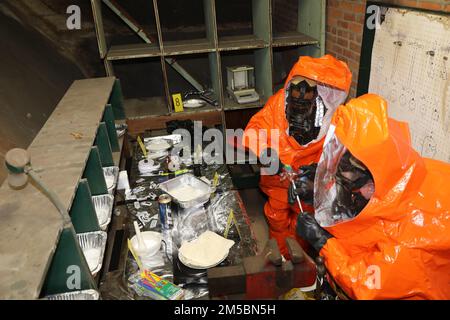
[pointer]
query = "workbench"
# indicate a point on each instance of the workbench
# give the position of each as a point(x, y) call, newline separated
point(115, 283)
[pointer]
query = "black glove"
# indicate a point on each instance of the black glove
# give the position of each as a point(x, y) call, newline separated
point(309, 230)
point(304, 185)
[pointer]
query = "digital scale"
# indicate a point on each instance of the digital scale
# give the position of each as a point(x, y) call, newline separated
point(183, 275)
point(241, 84)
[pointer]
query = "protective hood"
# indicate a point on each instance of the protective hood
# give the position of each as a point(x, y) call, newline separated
point(326, 70)
point(334, 78)
point(403, 233)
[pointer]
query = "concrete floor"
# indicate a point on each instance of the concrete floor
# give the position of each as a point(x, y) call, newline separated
point(254, 201)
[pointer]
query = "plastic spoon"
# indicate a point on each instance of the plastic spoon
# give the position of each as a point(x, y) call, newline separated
point(141, 242)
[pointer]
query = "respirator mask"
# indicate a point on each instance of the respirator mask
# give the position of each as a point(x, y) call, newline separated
point(343, 185)
point(304, 111)
point(354, 187)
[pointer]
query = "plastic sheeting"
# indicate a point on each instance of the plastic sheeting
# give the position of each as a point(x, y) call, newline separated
point(325, 184)
point(190, 224)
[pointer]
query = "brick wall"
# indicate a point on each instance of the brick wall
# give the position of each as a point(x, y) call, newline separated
point(344, 27)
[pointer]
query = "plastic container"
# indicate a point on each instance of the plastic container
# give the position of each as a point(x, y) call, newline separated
point(187, 190)
point(152, 241)
point(150, 256)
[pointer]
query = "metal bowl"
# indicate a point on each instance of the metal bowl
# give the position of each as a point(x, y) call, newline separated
point(193, 103)
point(103, 205)
point(111, 175)
point(76, 295)
point(93, 245)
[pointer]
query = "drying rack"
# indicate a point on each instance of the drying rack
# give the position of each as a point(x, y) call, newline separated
point(39, 255)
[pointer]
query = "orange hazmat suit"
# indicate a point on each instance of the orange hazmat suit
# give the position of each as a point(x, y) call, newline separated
point(398, 246)
point(334, 79)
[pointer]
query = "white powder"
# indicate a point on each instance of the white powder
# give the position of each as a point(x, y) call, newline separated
point(205, 251)
point(102, 215)
point(109, 181)
point(92, 256)
point(186, 193)
point(158, 145)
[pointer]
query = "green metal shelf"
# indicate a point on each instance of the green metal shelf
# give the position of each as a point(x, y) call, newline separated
point(293, 38)
point(241, 42)
point(173, 48)
point(133, 51)
point(309, 32)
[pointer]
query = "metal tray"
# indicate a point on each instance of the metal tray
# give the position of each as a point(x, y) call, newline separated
point(188, 179)
point(113, 173)
point(93, 245)
point(76, 295)
point(103, 207)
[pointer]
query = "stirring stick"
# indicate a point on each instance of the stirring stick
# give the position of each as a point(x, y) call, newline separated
point(297, 197)
point(136, 257)
point(143, 148)
point(141, 242)
point(288, 172)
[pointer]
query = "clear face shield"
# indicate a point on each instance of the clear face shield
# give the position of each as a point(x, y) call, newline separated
point(343, 185)
point(309, 108)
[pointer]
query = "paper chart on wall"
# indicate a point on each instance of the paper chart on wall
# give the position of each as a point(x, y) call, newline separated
point(410, 69)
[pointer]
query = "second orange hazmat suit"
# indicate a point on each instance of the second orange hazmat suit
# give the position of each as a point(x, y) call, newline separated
point(398, 246)
point(335, 77)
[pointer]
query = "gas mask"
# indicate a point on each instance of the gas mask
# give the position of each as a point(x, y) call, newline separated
point(343, 185)
point(304, 111)
point(354, 187)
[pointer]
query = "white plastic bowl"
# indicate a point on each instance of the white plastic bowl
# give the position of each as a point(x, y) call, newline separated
point(152, 242)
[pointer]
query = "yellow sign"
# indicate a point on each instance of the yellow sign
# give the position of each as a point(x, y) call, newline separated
point(177, 102)
point(231, 220)
point(141, 144)
point(135, 256)
point(215, 180)
point(214, 184)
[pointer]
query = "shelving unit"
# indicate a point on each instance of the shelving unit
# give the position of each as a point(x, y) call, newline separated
point(203, 70)
point(69, 154)
point(257, 42)
point(143, 78)
point(261, 59)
